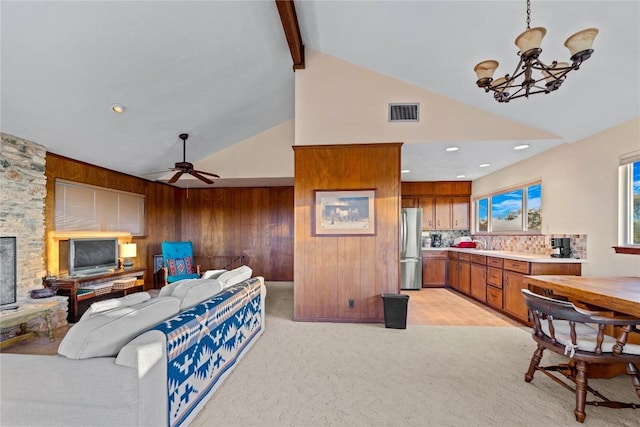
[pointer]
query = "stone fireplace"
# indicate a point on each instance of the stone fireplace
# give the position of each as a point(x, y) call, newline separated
point(22, 200)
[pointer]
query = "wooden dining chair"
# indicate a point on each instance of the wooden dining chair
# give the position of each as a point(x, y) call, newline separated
point(579, 334)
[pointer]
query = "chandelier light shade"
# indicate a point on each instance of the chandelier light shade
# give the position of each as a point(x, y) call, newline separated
point(531, 75)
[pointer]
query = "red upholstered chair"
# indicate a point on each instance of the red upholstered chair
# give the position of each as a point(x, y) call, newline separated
point(579, 334)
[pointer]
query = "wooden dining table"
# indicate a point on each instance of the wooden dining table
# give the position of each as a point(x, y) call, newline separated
point(618, 294)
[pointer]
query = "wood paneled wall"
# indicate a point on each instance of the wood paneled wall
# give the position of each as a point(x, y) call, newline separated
point(163, 218)
point(255, 222)
point(331, 270)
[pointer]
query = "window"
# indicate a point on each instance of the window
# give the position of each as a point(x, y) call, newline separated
point(81, 207)
point(503, 212)
point(629, 205)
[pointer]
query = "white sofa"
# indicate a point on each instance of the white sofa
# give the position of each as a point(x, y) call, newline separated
point(99, 380)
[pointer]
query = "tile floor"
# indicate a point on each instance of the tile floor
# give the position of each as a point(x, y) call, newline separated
point(428, 306)
point(442, 306)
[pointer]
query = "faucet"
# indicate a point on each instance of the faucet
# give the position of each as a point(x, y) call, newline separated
point(484, 243)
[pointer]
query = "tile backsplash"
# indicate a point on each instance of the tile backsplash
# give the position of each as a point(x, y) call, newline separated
point(535, 244)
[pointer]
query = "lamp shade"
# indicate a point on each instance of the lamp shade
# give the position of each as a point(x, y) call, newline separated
point(485, 69)
point(499, 84)
point(582, 40)
point(128, 250)
point(556, 71)
point(530, 39)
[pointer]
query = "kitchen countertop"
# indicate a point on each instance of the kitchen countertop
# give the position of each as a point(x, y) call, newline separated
point(520, 256)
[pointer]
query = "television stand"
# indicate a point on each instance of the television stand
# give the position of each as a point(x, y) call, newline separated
point(83, 291)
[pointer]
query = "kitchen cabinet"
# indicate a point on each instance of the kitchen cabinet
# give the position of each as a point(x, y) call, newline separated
point(428, 212)
point(512, 281)
point(497, 282)
point(434, 269)
point(494, 282)
point(479, 277)
point(464, 273)
point(443, 213)
point(460, 213)
point(409, 202)
point(452, 270)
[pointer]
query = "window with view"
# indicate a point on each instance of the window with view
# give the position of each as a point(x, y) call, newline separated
point(629, 227)
point(503, 212)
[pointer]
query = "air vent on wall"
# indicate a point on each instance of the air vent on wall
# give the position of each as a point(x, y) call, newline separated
point(403, 112)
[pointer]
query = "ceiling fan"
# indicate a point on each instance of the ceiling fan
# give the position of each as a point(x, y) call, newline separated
point(185, 167)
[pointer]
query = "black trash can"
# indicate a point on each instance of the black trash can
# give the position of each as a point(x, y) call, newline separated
point(395, 310)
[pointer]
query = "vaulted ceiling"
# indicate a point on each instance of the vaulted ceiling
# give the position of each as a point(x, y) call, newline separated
point(223, 71)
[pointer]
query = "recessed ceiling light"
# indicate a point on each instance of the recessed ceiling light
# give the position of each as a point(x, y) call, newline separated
point(454, 148)
point(405, 171)
point(484, 165)
point(117, 108)
point(521, 147)
point(460, 176)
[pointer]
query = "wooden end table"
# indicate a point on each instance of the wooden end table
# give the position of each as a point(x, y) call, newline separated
point(26, 311)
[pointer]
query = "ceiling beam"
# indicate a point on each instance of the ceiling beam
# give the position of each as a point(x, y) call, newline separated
point(289, 19)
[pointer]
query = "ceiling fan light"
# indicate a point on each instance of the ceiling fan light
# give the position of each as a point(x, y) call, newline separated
point(581, 41)
point(530, 39)
point(484, 71)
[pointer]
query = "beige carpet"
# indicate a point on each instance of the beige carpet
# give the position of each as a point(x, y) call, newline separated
point(331, 374)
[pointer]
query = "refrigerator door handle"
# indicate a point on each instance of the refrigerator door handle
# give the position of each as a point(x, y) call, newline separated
point(404, 232)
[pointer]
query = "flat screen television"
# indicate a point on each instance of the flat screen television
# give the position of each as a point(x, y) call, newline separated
point(92, 256)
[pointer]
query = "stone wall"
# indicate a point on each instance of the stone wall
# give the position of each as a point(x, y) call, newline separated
point(22, 200)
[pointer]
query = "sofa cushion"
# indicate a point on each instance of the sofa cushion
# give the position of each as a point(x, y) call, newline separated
point(110, 304)
point(104, 334)
point(234, 276)
point(167, 290)
point(180, 266)
point(192, 292)
point(213, 274)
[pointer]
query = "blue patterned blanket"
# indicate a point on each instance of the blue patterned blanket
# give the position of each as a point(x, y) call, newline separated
point(204, 343)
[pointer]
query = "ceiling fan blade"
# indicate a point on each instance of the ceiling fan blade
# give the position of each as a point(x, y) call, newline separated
point(175, 177)
point(200, 177)
point(207, 173)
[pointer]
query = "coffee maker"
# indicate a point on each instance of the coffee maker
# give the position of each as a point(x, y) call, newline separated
point(561, 247)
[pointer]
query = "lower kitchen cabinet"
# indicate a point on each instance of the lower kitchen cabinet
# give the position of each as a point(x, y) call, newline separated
point(434, 269)
point(513, 299)
point(479, 282)
point(464, 274)
point(497, 282)
point(452, 271)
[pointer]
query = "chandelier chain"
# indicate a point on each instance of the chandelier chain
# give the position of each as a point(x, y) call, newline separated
point(528, 14)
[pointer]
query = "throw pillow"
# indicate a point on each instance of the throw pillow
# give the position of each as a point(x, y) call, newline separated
point(104, 334)
point(180, 266)
point(110, 304)
point(234, 276)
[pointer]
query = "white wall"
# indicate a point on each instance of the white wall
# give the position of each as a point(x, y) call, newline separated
point(580, 193)
point(341, 103)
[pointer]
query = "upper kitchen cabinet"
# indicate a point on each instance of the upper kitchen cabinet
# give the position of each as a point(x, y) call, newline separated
point(460, 213)
point(445, 204)
point(428, 205)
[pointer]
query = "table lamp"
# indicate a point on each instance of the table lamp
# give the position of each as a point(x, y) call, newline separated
point(127, 251)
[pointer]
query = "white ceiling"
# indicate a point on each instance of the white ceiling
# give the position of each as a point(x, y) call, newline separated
point(222, 71)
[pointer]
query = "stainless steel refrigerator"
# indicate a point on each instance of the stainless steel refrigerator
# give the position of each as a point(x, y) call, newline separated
point(411, 248)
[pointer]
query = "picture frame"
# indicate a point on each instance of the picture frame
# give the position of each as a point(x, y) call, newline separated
point(344, 213)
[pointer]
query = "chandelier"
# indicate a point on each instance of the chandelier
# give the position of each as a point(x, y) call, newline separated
point(531, 75)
